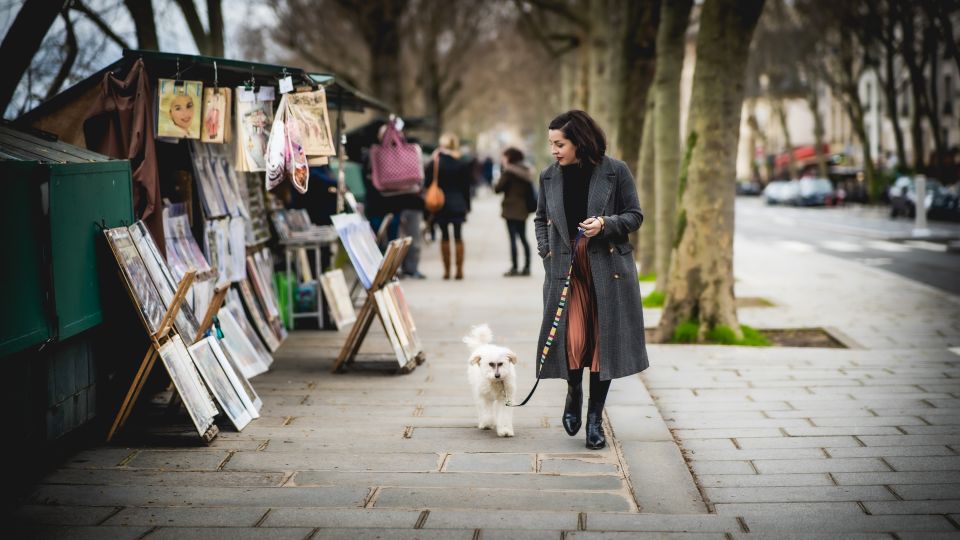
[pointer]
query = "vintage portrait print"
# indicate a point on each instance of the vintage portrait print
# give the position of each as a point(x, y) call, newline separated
point(178, 108)
point(219, 382)
point(139, 282)
point(381, 300)
point(186, 380)
point(216, 115)
point(254, 121)
point(338, 298)
point(309, 111)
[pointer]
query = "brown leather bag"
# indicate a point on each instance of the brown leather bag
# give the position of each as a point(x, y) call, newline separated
point(433, 199)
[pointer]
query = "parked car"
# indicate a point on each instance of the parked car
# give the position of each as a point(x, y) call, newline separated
point(813, 192)
point(903, 196)
point(778, 192)
point(749, 188)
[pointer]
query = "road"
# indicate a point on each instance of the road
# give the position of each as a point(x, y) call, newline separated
point(858, 234)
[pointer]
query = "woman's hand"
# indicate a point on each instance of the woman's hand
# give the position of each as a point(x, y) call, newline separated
point(591, 226)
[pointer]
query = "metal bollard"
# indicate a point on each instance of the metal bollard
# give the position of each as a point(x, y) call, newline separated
point(920, 215)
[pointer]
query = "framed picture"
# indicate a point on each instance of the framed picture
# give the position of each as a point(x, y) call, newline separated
point(309, 111)
point(249, 396)
point(234, 305)
point(360, 244)
point(388, 326)
point(178, 108)
point(179, 364)
point(245, 348)
point(185, 321)
point(335, 290)
point(404, 308)
point(221, 380)
point(257, 316)
point(139, 283)
point(216, 115)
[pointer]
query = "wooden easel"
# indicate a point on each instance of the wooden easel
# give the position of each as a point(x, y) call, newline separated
point(396, 251)
point(157, 339)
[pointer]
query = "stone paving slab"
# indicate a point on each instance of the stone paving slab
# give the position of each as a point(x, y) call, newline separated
point(55, 532)
point(502, 519)
point(544, 481)
point(80, 495)
point(62, 515)
point(492, 498)
point(188, 517)
point(341, 518)
point(228, 533)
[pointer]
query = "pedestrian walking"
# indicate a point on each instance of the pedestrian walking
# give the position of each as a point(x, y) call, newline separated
point(454, 178)
point(587, 207)
point(519, 201)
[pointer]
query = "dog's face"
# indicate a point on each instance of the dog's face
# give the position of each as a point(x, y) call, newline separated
point(494, 363)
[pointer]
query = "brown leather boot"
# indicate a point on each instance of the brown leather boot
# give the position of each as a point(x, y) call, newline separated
point(459, 259)
point(445, 255)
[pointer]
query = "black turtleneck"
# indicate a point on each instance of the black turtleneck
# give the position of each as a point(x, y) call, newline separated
point(576, 186)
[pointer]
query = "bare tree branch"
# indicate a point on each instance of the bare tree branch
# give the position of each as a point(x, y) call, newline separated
point(196, 26)
point(71, 47)
point(98, 21)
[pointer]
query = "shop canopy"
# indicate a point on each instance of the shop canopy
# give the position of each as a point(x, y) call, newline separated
point(210, 70)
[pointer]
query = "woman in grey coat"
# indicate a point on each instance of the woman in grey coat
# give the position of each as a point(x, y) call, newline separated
point(586, 210)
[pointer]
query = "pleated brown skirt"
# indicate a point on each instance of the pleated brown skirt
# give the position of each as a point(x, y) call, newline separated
point(583, 333)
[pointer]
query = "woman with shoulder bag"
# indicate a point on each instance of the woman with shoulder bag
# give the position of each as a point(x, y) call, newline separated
point(586, 209)
point(519, 201)
point(454, 179)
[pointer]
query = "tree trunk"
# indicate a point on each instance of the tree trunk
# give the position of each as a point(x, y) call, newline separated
point(700, 284)
point(141, 11)
point(22, 42)
point(917, 87)
point(666, 87)
point(890, 89)
point(788, 145)
point(646, 241)
point(638, 54)
point(856, 114)
point(813, 100)
point(933, 104)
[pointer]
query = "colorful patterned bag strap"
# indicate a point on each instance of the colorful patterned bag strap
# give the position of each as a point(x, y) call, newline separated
point(556, 322)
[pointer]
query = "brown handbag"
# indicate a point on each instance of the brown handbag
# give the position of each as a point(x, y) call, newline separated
point(433, 199)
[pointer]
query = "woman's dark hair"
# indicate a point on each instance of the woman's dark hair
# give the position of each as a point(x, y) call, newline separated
point(582, 130)
point(513, 155)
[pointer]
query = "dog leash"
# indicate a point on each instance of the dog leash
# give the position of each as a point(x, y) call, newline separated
point(556, 322)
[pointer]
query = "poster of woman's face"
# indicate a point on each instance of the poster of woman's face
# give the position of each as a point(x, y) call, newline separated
point(216, 109)
point(178, 111)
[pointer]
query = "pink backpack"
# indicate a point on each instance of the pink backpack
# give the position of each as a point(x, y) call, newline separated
point(396, 164)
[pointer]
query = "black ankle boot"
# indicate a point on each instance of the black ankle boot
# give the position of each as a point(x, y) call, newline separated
point(573, 409)
point(596, 438)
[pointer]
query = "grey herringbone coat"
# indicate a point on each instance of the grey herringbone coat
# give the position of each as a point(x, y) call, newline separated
point(612, 195)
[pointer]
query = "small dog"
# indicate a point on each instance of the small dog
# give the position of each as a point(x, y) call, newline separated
point(493, 379)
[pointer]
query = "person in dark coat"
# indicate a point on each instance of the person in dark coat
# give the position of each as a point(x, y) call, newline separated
point(601, 324)
point(454, 177)
point(517, 187)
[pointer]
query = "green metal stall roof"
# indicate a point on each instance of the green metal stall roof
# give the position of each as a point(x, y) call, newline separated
point(17, 145)
point(226, 72)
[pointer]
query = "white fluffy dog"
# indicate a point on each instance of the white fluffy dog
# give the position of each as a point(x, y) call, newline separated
point(493, 379)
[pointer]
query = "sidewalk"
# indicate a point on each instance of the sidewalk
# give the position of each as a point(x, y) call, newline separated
point(782, 441)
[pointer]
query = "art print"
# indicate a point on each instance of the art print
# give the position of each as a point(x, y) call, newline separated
point(245, 348)
point(254, 122)
point(135, 273)
point(308, 111)
point(219, 381)
point(248, 395)
point(235, 306)
point(185, 321)
point(338, 298)
point(216, 115)
point(178, 108)
point(186, 380)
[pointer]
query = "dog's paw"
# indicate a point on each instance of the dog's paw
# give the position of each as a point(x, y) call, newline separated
point(505, 432)
point(485, 425)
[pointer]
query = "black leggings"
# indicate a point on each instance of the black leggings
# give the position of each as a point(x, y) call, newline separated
point(457, 231)
point(517, 230)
